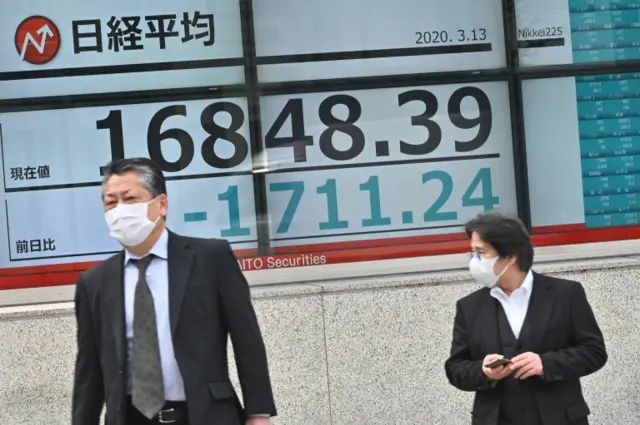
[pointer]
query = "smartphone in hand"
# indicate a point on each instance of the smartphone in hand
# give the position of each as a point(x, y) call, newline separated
point(497, 362)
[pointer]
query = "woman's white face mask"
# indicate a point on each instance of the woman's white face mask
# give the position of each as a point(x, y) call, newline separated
point(482, 270)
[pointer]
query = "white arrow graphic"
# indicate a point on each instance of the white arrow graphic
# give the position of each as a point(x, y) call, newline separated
point(44, 32)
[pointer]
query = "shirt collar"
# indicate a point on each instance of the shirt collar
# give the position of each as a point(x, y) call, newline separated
point(526, 287)
point(160, 249)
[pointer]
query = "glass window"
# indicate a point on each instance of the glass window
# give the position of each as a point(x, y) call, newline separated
point(309, 40)
point(364, 165)
point(582, 138)
point(52, 170)
point(307, 136)
point(552, 32)
point(89, 47)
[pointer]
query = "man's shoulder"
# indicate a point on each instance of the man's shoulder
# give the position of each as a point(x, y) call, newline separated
point(94, 274)
point(474, 298)
point(205, 243)
point(557, 284)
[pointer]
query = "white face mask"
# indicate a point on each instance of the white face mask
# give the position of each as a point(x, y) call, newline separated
point(129, 224)
point(482, 270)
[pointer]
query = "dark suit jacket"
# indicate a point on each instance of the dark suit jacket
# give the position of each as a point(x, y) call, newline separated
point(209, 300)
point(559, 326)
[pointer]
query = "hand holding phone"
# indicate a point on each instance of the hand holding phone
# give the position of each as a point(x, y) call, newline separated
point(497, 362)
point(494, 367)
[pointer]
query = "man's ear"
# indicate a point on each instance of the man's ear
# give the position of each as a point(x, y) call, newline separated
point(164, 205)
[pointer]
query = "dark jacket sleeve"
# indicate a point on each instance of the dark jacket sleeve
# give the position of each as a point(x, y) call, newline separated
point(246, 338)
point(463, 372)
point(587, 354)
point(88, 392)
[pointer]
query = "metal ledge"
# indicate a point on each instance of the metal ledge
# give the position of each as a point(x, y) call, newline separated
point(341, 273)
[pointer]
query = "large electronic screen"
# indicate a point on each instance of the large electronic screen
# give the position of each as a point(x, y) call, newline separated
point(554, 32)
point(583, 151)
point(51, 172)
point(340, 165)
point(67, 47)
point(307, 40)
point(383, 163)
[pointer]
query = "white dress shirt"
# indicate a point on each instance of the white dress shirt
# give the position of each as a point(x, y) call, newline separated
point(157, 276)
point(515, 305)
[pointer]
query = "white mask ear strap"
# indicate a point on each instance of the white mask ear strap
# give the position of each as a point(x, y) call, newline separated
point(505, 269)
point(159, 215)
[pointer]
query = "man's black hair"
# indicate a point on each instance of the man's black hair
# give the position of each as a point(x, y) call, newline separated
point(506, 233)
point(151, 177)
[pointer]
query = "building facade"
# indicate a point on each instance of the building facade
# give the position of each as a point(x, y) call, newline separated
point(311, 133)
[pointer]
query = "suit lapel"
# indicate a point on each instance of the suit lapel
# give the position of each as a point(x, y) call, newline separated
point(115, 302)
point(180, 258)
point(488, 322)
point(538, 313)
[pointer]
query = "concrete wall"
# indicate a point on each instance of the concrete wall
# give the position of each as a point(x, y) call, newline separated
point(358, 352)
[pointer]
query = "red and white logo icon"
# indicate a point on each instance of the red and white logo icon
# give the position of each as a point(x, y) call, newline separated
point(37, 40)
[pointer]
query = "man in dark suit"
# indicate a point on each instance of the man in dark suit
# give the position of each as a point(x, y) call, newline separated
point(543, 324)
point(153, 320)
